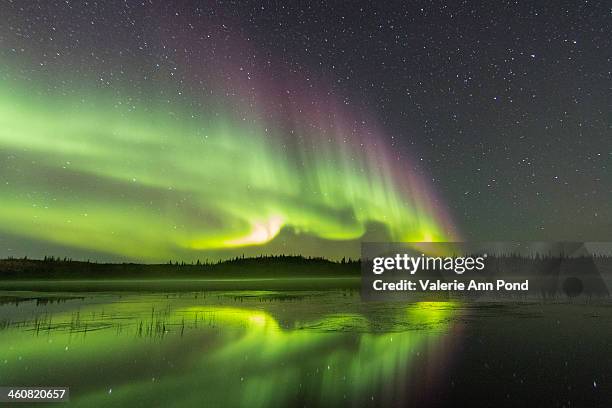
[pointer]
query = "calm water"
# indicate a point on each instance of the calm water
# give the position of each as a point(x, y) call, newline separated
point(303, 348)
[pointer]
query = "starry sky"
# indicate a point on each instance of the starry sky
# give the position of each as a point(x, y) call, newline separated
point(148, 131)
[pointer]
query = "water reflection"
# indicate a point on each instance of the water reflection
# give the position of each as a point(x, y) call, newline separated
point(227, 349)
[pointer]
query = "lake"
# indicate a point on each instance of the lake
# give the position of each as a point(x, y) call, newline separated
point(271, 348)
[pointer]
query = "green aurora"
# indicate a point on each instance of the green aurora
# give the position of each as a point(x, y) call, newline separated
point(103, 175)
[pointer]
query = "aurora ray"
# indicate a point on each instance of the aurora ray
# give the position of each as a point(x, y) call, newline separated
point(103, 174)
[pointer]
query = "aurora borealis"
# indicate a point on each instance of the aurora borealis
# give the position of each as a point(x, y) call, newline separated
point(156, 185)
point(144, 178)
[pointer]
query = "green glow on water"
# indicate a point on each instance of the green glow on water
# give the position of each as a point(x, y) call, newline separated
point(147, 350)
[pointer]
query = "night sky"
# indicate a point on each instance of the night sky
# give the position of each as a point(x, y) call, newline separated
point(149, 131)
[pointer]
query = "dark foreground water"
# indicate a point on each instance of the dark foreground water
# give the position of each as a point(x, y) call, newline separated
point(327, 348)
